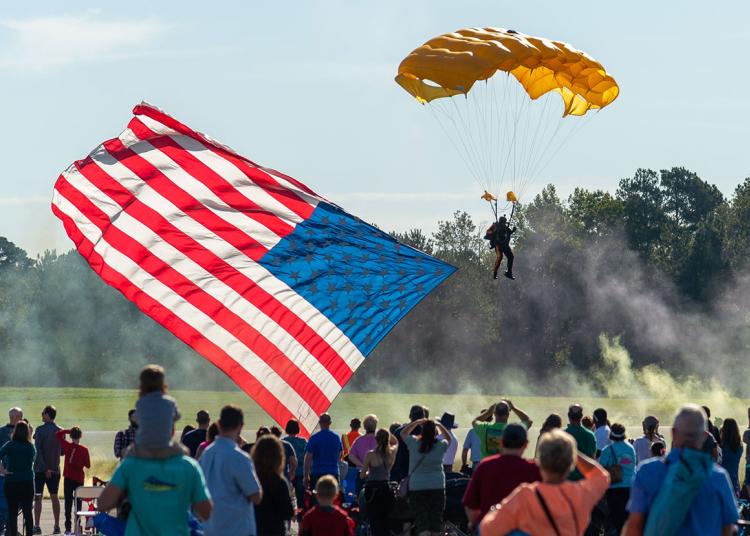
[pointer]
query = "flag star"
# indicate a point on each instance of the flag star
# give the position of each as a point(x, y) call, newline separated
point(351, 305)
point(325, 220)
point(420, 287)
point(379, 246)
point(385, 304)
point(309, 257)
point(383, 272)
point(348, 272)
point(333, 305)
point(367, 287)
point(439, 271)
point(313, 288)
point(384, 321)
point(331, 270)
point(368, 340)
point(294, 275)
point(366, 321)
point(342, 220)
point(348, 287)
point(365, 257)
point(331, 287)
point(328, 257)
point(381, 257)
point(402, 272)
point(402, 304)
point(348, 257)
point(368, 303)
point(402, 288)
point(421, 272)
point(351, 321)
point(366, 272)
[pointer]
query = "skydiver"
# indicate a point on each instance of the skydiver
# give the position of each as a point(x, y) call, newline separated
point(499, 235)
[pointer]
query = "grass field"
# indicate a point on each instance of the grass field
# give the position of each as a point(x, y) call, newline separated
point(100, 412)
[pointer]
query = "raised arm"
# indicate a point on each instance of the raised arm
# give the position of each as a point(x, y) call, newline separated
point(522, 416)
point(409, 428)
point(485, 416)
point(445, 433)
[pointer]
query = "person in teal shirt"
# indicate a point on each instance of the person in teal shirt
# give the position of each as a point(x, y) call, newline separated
point(585, 438)
point(18, 455)
point(160, 491)
point(619, 452)
point(491, 433)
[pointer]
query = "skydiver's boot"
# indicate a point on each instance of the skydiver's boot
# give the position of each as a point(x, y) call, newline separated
point(509, 275)
point(494, 274)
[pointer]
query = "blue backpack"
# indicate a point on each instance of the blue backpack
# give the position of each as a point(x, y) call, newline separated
point(675, 497)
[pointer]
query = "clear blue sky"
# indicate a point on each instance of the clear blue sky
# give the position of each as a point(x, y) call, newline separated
point(307, 88)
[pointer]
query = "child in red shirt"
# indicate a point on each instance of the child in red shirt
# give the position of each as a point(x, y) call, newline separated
point(326, 519)
point(76, 460)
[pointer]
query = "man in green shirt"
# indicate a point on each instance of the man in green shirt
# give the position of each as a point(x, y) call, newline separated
point(585, 438)
point(491, 433)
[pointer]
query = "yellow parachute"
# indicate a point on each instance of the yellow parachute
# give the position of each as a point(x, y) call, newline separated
point(502, 134)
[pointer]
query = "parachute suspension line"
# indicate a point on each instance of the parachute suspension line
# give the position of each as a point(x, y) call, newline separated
point(530, 154)
point(465, 155)
point(465, 119)
point(581, 122)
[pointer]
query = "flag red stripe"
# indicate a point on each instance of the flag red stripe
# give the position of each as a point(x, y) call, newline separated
point(203, 301)
point(220, 269)
point(183, 200)
point(290, 199)
point(265, 399)
point(215, 182)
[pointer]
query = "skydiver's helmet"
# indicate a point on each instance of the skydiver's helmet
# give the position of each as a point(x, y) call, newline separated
point(502, 219)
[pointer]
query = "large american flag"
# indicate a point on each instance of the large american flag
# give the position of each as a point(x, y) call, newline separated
point(278, 287)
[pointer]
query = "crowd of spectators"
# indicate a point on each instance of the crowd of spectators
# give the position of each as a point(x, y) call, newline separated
point(586, 477)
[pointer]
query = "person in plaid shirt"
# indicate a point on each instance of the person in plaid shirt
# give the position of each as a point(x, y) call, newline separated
point(125, 438)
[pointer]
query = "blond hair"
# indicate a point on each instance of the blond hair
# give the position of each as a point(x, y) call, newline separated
point(557, 453)
point(327, 487)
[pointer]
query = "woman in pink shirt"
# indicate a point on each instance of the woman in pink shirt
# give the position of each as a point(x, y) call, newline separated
point(555, 506)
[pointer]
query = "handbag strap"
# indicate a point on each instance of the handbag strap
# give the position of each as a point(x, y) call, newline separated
point(546, 511)
point(417, 465)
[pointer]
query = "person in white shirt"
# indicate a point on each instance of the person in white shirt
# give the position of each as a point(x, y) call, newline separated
point(473, 445)
point(642, 445)
point(448, 420)
point(602, 430)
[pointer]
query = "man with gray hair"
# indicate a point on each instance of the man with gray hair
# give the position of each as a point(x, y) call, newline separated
point(14, 415)
point(686, 492)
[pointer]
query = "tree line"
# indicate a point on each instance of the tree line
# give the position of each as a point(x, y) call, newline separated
point(660, 264)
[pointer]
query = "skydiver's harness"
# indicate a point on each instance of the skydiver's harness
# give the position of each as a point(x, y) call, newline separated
point(492, 234)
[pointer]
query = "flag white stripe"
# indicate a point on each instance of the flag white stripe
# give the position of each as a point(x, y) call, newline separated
point(197, 145)
point(200, 191)
point(255, 272)
point(213, 286)
point(232, 174)
point(189, 314)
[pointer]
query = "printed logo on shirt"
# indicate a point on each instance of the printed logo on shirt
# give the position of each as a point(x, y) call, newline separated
point(494, 440)
point(154, 484)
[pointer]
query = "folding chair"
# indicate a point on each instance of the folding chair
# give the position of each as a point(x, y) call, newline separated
point(85, 494)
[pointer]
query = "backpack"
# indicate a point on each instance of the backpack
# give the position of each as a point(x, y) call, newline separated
point(680, 486)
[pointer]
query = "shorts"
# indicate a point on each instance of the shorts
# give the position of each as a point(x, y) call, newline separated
point(52, 483)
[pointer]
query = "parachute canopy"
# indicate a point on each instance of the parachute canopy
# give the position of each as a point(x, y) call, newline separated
point(456, 61)
point(494, 93)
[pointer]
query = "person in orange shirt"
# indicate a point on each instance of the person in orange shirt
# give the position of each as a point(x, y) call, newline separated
point(349, 438)
point(555, 506)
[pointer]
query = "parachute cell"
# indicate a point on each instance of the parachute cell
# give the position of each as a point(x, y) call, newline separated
point(456, 61)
